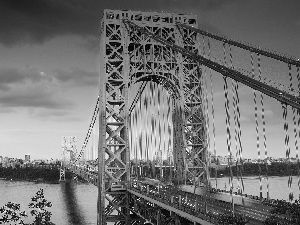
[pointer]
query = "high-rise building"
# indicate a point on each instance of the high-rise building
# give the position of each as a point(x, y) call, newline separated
point(27, 158)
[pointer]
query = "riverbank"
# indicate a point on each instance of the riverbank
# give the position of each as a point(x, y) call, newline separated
point(32, 174)
point(251, 169)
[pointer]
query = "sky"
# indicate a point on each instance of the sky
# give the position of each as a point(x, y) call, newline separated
point(49, 67)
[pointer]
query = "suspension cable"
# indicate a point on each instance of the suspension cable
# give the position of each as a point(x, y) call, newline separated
point(290, 180)
point(263, 124)
point(170, 151)
point(228, 133)
point(207, 123)
point(132, 116)
point(298, 131)
point(245, 46)
point(205, 141)
point(238, 143)
point(87, 137)
point(265, 144)
point(213, 118)
point(240, 149)
point(286, 143)
point(235, 118)
point(257, 127)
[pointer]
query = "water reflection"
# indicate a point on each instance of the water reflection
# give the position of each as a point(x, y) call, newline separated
point(74, 213)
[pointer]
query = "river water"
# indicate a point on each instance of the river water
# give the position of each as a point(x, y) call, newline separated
point(72, 203)
point(76, 203)
point(278, 186)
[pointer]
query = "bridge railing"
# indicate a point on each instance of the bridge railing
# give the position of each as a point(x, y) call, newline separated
point(180, 200)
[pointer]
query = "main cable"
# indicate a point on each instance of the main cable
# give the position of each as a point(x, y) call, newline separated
point(91, 126)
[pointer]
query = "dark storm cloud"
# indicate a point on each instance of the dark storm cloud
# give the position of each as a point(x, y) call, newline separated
point(35, 21)
point(30, 88)
point(11, 75)
point(39, 20)
point(202, 5)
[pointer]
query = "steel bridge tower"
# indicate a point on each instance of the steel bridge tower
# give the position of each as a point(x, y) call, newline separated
point(128, 56)
point(68, 145)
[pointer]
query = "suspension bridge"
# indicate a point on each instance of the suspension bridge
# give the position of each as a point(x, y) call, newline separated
point(153, 134)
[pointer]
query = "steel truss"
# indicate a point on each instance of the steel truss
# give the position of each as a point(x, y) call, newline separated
point(153, 213)
point(129, 56)
point(285, 95)
point(68, 145)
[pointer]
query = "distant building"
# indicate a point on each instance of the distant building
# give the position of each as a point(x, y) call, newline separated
point(27, 158)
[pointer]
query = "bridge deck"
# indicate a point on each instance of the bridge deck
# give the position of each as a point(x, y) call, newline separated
point(189, 203)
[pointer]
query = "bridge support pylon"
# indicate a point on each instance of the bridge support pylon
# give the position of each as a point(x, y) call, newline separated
point(68, 146)
point(129, 56)
point(62, 174)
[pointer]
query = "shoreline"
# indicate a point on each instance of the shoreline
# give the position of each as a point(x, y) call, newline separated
point(30, 180)
point(253, 177)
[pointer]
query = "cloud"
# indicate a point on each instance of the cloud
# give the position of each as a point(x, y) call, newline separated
point(11, 76)
point(44, 93)
point(37, 21)
point(32, 96)
point(54, 115)
point(6, 110)
point(77, 77)
point(203, 5)
point(91, 43)
point(30, 88)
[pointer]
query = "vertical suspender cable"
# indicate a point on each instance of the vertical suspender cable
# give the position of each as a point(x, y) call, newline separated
point(264, 126)
point(228, 138)
point(204, 94)
point(238, 143)
point(170, 151)
point(298, 131)
point(135, 120)
point(207, 125)
point(240, 149)
point(286, 142)
point(228, 132)
point(192, 129)
point(290, 180)
point(256, 128)
point(213, 119)
point(263, 129)
point(235, 118)
point(206, 114)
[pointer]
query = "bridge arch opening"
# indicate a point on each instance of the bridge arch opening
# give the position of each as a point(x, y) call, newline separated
point(151, 61)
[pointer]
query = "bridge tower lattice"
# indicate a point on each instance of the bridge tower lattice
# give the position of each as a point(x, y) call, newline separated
point(127, 57)
point(68, 145)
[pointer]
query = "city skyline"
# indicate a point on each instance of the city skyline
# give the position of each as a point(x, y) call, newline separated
point(49, 68)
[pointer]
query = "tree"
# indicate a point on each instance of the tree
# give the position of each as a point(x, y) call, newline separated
point(39, 205)
point(11, 214)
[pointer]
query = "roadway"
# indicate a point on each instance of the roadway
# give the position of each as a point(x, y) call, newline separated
point(252, 209)
point(217, 203)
